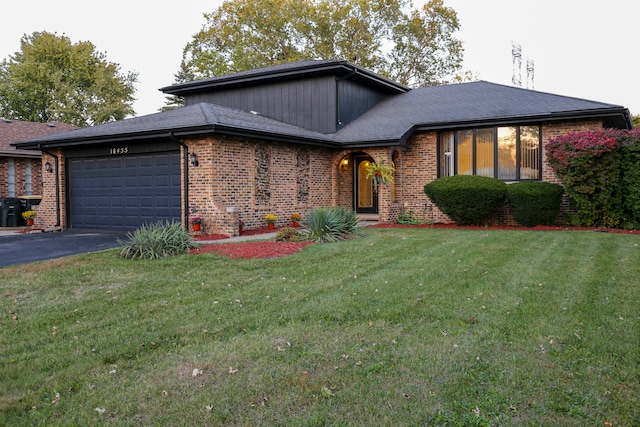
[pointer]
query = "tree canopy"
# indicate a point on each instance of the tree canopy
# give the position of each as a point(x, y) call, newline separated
point(51, 79)
point(415, 47)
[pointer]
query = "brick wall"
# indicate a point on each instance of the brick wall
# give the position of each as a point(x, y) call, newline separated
point(239, 179)
point(48, 209)
point(417, 166)
point(20, 167)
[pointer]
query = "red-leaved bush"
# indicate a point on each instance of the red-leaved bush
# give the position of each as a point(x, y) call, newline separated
point(599, 170)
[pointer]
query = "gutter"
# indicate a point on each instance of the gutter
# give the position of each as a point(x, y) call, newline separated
point(185, 178)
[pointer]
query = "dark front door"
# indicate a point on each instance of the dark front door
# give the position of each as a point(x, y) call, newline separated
point(366, 199)
point(124, 192)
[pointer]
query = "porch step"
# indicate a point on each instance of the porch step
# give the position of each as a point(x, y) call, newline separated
point(366, 219)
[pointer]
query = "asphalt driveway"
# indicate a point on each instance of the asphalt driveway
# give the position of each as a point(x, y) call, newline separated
point(25, 248)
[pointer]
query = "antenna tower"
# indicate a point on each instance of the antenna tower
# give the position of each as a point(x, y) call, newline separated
point(516, 55)
point(530, 65)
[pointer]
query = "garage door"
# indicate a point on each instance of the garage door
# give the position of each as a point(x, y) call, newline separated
point(124, 192)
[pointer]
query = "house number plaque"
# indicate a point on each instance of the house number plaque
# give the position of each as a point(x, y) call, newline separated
point(118, 150)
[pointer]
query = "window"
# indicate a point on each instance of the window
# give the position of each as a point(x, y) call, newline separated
point(11, 178)
point(509, 153)
point(28, 178)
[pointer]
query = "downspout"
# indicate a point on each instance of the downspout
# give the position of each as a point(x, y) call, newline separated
point(185, 178)
point(57, 184)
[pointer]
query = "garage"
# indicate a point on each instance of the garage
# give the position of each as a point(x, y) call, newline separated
point(123, 191)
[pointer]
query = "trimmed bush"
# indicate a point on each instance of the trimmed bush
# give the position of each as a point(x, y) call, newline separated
point(534, 202)
point(330, 224)
point(467, 199)
point(157, 240)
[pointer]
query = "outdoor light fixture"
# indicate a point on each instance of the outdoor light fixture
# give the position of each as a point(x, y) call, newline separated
point(48, 167)
point(194, 159)
point(344, 163)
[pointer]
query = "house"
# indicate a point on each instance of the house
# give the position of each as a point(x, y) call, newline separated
point(21, 170)
point(287, 138)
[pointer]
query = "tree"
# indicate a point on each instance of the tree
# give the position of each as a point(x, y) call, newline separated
point(413, 47)
point(51, 79)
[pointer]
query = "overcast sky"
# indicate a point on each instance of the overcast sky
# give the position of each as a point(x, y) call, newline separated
point(579, 48)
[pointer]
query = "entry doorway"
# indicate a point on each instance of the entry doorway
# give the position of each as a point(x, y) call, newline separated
point(365, 196)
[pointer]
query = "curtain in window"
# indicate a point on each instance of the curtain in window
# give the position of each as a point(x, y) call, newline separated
point(507, 153)
point(485, 149)
point(11, 177)
point(28, 180)
point(529, 152)
point(446, 154)
point(465, 152)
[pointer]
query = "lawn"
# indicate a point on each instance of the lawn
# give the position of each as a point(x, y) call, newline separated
point(411, 327)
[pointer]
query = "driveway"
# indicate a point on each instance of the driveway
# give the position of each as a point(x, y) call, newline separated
point(24, 248)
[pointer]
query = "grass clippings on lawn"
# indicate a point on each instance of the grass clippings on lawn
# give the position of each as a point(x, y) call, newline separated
point(405, 326)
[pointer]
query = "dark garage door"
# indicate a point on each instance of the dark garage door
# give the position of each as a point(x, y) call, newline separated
point(124, 192)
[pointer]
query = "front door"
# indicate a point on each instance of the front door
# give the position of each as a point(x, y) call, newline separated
point(366, 199)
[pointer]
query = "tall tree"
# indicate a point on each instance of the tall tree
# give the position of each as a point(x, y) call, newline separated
point(414, 47)
point(52, 79)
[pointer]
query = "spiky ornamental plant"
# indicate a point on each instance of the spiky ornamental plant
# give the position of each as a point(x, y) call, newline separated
point(157, 240)
point(330, 224)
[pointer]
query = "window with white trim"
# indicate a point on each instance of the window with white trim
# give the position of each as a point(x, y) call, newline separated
point(509, 153)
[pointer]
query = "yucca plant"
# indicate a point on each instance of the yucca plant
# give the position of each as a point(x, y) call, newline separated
point(157, 240)
point(331, 224)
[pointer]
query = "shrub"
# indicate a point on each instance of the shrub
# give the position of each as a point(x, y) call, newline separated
point(289, 234)
point(157, 240)
point(467, 199)
point(599, 171)
point(330, 224)
point(534, 202)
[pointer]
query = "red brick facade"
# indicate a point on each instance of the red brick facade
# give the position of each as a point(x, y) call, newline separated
point(243, 179)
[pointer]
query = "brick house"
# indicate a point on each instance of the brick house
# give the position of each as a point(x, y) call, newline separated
point(21, 170)
point(287, 138)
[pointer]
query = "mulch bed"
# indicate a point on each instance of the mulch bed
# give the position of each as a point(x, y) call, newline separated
point(271, 249)
point(262, 249)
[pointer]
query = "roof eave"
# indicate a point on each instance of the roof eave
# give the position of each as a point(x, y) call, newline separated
point(620, 113)
point(343, 67)
point(177, 133)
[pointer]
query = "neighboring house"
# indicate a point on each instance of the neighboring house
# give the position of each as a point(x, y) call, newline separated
point(21, 170)
point(291, 137)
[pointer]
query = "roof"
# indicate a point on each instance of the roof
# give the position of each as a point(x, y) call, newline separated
point(390, 122)
point(193, 120)
point(17, 130)
point(472, 104)
point(297, 69)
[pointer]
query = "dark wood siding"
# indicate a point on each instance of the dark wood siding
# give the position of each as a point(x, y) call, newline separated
point(309, 103)
point(354, 100)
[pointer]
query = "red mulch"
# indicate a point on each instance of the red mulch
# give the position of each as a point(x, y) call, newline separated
point(271, 249)
point(261, 249)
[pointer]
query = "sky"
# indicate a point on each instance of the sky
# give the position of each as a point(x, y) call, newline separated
point(579, 49)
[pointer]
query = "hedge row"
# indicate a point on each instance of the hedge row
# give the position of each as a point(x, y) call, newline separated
point(472, 200)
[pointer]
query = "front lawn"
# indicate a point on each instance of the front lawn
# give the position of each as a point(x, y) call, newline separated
point(401, 327)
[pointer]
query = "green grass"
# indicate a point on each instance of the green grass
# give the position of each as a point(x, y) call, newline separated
point(406, 327)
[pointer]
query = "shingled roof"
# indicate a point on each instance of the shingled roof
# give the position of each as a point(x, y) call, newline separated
point(196, 119)
point(390, 122)
point(471, 104)
point(17, 130)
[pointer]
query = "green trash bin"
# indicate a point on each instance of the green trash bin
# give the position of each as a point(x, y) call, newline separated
point(3, 213)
